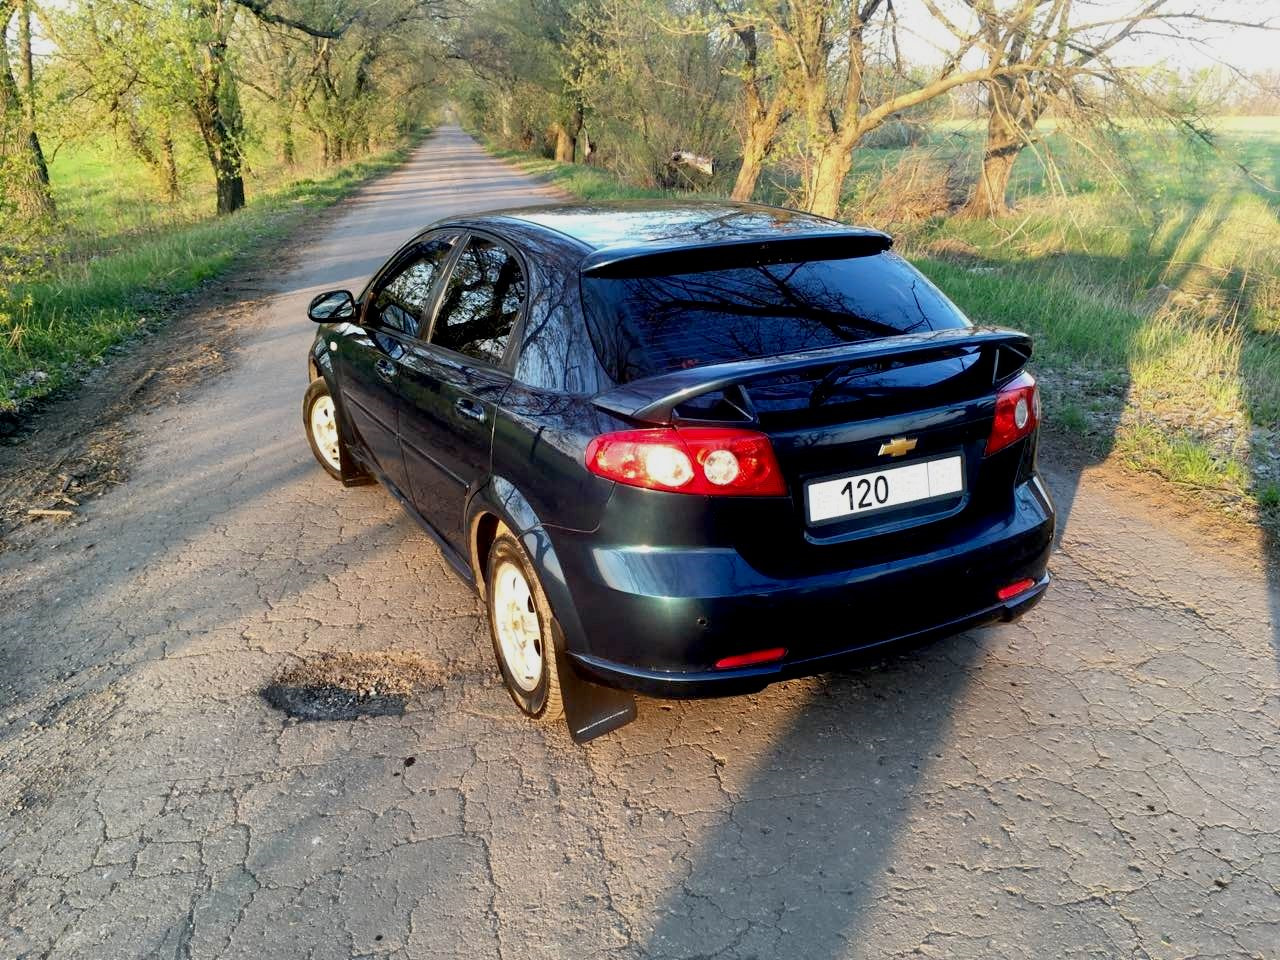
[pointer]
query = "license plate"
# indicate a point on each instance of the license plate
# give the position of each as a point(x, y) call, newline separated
point(862, 493)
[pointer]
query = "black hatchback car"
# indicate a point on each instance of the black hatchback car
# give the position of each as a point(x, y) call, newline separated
point(687, 449)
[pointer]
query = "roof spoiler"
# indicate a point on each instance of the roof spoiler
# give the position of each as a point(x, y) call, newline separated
point(654, 399)
point(677, 257)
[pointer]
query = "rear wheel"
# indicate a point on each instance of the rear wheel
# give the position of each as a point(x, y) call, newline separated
point(320, 418)
point(520, 625)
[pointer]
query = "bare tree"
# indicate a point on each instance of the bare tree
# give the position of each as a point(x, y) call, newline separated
point(842, 70)
point(1045, 54)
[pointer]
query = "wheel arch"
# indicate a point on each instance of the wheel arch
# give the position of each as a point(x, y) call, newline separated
point(497, 503)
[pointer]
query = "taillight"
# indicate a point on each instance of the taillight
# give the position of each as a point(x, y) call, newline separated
point(1017, 412)
point(1013, 589)
point(715, 461)
point(752, 658)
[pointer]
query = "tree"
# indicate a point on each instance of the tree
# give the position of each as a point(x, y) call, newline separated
point(764, 102)
point(1043, 56)
point(185, 50)
point(1040, 37)
point(842, 70)
point(24, 175)
point(103, 71)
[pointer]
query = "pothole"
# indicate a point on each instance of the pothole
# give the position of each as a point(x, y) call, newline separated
point(346, 686)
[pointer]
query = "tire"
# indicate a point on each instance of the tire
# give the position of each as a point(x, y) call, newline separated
point(535, 691)
point(327, 447)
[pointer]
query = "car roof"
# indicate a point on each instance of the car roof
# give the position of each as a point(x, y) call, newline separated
point(610, 233)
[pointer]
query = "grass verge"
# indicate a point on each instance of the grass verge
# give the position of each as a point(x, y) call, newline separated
point(93, 304)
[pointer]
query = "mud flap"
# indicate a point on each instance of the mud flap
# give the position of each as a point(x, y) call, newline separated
point(352, 470)
point(592, 710)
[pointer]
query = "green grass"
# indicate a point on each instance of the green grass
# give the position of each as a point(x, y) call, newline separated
point(106, 198)
point(126, 267)
point(1181, 459)
point(1154, 302)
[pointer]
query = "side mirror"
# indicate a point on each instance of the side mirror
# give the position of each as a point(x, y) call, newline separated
point(332, 306)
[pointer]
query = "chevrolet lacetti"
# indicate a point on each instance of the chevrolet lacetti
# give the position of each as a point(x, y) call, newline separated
point(686, 449)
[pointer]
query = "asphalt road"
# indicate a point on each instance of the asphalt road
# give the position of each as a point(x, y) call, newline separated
point(1100, 779)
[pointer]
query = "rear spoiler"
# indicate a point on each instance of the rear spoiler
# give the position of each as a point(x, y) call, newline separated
point(644, 259)
point(654, 399)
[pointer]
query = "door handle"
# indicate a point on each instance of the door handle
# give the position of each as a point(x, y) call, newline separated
point(386, 369)
point(469, 409)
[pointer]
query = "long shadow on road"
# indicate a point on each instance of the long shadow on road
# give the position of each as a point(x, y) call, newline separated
point(803, 857)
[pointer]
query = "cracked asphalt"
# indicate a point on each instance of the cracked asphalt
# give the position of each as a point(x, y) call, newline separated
point(1100, 779)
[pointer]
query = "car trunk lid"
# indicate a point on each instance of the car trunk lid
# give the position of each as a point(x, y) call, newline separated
point(920, 405)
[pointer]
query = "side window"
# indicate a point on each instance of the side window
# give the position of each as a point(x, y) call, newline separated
point(481, 303)
point(402, 303)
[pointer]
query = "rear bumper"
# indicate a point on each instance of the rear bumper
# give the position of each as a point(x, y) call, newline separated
point(655, 620)
point(720, 683)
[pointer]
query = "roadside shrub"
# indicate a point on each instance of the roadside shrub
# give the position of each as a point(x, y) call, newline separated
point(918, 187)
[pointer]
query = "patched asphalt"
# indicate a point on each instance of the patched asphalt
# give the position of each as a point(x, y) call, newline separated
point(1100, 779)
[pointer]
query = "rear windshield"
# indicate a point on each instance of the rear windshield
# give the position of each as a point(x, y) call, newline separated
point(646, 325)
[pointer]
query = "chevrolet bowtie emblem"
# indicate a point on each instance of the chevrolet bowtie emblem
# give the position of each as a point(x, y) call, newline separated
point(897, 447)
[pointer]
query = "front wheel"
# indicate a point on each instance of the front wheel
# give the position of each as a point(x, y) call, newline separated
point(520, 625)
point(320, 418)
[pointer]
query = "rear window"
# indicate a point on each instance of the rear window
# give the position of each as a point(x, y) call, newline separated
point(646, 325)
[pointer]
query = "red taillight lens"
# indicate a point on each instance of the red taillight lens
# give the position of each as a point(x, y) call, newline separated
point(752, 658)
point(1013, 589)
point(715, 461)
point(1017, 412)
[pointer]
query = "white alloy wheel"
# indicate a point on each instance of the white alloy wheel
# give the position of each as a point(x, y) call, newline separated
point(324, 428)
point(516, 623)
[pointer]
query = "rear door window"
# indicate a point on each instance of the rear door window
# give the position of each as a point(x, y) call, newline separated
point(645, 325)
point(402, 301)
point(481, 302)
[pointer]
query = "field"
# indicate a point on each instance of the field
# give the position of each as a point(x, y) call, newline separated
point(1147, 267)
point(124, 256)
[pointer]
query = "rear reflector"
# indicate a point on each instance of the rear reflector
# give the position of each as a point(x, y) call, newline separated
point(1017, 412)
point(1013, 589)
point(712, 461)
point(748, 659)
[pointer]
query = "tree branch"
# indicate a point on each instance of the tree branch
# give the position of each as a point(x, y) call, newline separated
point(261, 10)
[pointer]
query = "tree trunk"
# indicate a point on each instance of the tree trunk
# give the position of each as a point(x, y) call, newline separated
point(988, 197)
point(169, 165)
point(230, 189)
point(829, 163)
point(288, 152)
point(566, 147)
point(755, 147)
point(216, 109)
point(29, 178)
point(223, 148)
point(1013, 110)
point(28, 78)
point(504, 116)
point(1004, 143)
